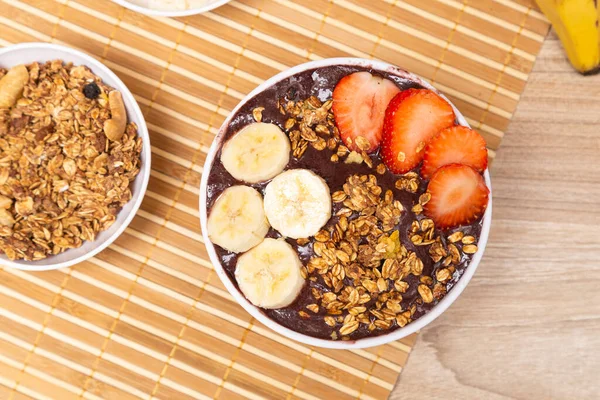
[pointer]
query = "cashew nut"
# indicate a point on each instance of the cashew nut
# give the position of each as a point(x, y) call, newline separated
point(12, 84)
point(114, 128)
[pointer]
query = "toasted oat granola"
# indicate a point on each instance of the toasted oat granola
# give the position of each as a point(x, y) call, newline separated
point(361, 259)
point(379, 263)
point(365, 266)
point(67, 159)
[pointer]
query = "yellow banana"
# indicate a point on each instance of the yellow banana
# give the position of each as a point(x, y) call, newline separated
point(576, 23)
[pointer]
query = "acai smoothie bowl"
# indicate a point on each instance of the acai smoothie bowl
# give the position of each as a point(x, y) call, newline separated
point(345, 203)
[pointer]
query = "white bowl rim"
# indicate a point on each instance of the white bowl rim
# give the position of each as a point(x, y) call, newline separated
point(174, 13)
point(144, 174)
point(256, 312)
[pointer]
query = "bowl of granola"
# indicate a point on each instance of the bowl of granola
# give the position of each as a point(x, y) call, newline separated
point(346, 203)
point(74, 156)
point(171, 8)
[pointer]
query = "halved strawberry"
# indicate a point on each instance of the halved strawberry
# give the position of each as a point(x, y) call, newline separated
point(412, 118)
point(359, 103)
point(459, 196)
point(455, 145)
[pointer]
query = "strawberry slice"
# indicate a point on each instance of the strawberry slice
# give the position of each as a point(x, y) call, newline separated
point(359, 103)
point(455, 145)
point(412, 118)
point(459, 196)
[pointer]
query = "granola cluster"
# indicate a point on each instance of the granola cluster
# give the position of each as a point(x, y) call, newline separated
point(312, 122)
point(365, 266)
point(67, 159)
point(362, 272)
point(361, 258)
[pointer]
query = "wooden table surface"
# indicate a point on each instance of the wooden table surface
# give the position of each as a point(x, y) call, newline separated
point(528, 324)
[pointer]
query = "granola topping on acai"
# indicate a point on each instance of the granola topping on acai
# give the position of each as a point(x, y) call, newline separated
point(381, 260)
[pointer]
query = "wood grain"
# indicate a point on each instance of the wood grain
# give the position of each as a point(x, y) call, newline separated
point(527, 326)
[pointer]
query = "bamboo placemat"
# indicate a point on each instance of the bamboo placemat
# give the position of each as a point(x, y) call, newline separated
point(148, 318)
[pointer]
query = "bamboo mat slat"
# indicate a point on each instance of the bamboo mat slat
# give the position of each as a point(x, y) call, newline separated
point(147, 318)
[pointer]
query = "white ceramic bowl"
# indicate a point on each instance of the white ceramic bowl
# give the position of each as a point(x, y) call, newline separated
point(27, 53)
point(175, 13)
point(257, 312)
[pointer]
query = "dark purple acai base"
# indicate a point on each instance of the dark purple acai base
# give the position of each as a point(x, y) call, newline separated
point(320, 83)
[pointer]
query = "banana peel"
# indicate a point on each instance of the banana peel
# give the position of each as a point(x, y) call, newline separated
point(576, 23)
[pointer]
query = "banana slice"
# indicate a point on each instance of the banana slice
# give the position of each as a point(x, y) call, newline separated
point(237, 220)
point(270, 274)
point(297, 203)
point(256, 153)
